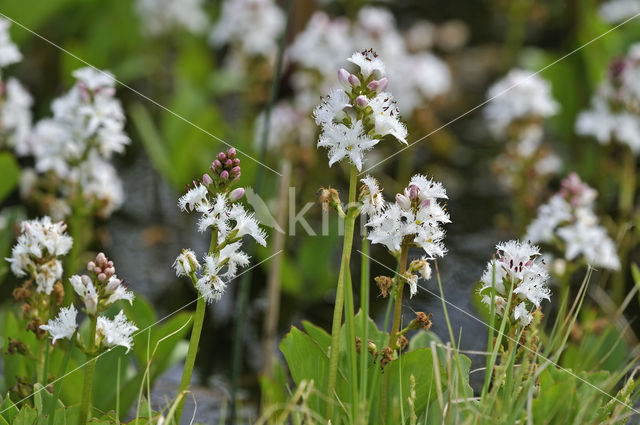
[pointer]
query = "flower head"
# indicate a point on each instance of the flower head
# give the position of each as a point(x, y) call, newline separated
point(64, 325)
point(115, 332)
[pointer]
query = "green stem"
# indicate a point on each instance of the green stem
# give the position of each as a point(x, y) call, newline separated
point(198, 320)
point(627, 184)
point(339, 304)
point(397, 313)
point(364, 312)
point(58, 386)
point(88, 372)
point(351, 346)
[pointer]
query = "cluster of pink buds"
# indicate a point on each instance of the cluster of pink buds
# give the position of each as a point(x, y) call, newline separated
point(225, 170)
point(351, 81)
point(102, 268)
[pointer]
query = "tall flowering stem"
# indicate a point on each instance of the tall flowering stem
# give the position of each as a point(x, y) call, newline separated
point(347, 246)
point(397, 311)
point(228, 221)
point(88, 372)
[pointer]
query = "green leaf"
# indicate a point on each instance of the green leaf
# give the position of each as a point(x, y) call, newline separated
point(9, 409)
point(10, 174)
point(26, 416)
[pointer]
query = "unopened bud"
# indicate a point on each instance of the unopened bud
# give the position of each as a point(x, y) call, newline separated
point(102, 277)
point(222, 157)
point(231, 153)
point(413, 192)
point(343, 78)
point(353, 80)
point(403, 201)
point(224, 175)
point(101, 258)
point(236, 194)
point(206, 179)
point(362, 101)
point(228, 163)
point(382, 84)
point(235, 171)
point(236, 162)
point(113, 284)
point(109, 271)
point(91, 265)
point(216, 165)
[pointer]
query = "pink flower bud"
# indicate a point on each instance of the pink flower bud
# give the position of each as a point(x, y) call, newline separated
point(101, 258)
point(403, 201)
point(343, 78)
point(353, 80)
point(231, 153)
point(236, 194)
point(97, 270)
point(236, 162)
point(382, 84)
point(86, 280)
point(414, 192)
point(206, 179)
point(229, 163)
point(235, 171)
point(91, 265)
point(224, 175)
point(102, 277)
point(113, 284)
point(109, 271)
point(373, 85)
point(216, 164)
point(362, 101)
point(222, 157)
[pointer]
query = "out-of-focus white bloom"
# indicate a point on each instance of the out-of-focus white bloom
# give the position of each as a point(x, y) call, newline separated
point(15, 117)
point(111, 333)
point(9, 52)
point(37, 249)
point(371, 197)
point(518, 96)
point(615, 11)
point(420, 219)
point(253, 26)
point(569, 216)
point(613, 115)
point(186, 263)
point(64, 325)
point(287, 125)
point(163, 16)
point(516, 268)
point(86, 129)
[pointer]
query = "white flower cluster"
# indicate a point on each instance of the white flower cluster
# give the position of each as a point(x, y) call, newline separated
point(417, 74)
point(74, 146)
point(414, 219)
point(517, 268)
point(252, 27)
point(613, 115)
point(160, 17)
point(520, 96)
point(518, 105)
point(15, 101)
point(355, 117)
point(569, 220)
point(98, 290)
point(221, 213)
point(35, 254)
point(615, 11)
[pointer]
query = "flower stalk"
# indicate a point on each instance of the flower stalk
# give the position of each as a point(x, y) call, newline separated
point(88, 372)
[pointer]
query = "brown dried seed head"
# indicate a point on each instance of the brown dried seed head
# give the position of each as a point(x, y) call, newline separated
point(21, 293)
point(329, 197)
point(384, 284)
point(422, 320)
point(58, 292)
point(403, 342)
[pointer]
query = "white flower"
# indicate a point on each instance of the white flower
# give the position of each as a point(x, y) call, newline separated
point(210, 285)
point(234, 258)
point(64, 325)
point(521, 313)
point(115, 332)
point(246, 224)
point(386, 117)
point(417, 215)
point(253, 26)
point(369, 63)
point(94, 79)
point(87, 292)
point(119, 293)
point(186, 263)
point(615, 11)
point(519, 95)
point(331, 110)
point(350, 142)
point(15, 116)
point(412, 280)
point(9, 53)
point(163, 16)
point(371, 196)
point(193, 198)
point(47, 275)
